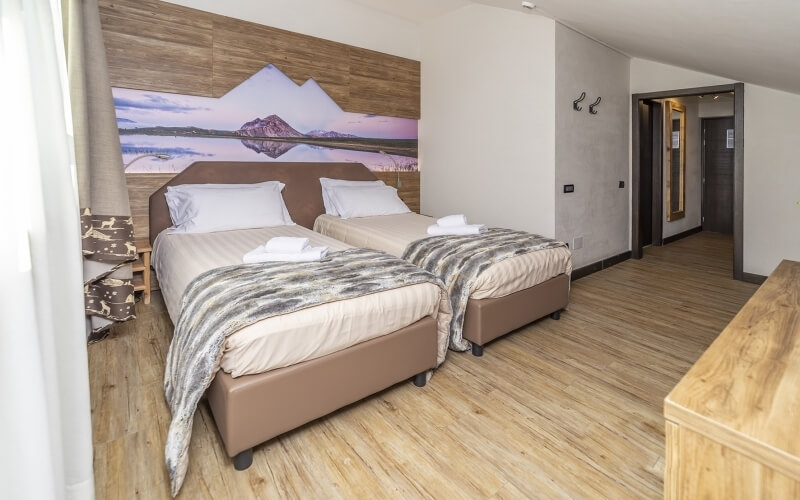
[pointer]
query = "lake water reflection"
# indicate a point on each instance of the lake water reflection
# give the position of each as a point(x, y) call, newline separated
point(183, 151)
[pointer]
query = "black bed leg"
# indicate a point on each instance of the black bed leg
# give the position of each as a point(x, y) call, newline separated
point(420, 379)
point(556, 315)
point(477, 350)
point(243, 460)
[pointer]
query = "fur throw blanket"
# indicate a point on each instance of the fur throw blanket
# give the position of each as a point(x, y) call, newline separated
point(224, 300)
point(458, 260)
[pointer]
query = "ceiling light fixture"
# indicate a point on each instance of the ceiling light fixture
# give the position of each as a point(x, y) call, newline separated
point(716, 97)
point(528, 5)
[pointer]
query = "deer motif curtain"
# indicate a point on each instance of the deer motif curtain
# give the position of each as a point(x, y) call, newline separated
point(107, 230)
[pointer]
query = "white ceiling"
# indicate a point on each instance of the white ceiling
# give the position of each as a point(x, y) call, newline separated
point(756, 41)
point(414, 10)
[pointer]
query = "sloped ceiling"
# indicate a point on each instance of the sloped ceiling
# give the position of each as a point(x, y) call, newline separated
point(756, 41)
point(414, 10)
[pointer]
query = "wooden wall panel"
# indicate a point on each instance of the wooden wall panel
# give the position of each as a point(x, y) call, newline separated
point(393, 81)
point(240, 49)
point(154, 45)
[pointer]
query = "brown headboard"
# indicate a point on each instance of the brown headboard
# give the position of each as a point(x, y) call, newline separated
point(302, 194)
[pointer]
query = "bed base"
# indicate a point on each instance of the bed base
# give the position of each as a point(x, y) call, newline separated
point(488, 319)
point(252, 409)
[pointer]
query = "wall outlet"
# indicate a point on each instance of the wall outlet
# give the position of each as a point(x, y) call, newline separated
point(577, 243)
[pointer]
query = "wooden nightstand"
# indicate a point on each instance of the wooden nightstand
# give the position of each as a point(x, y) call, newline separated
point(141, 269)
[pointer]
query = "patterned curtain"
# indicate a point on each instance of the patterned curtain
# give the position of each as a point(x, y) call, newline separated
point(107, 230)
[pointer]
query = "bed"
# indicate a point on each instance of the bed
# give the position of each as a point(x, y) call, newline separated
point(254, 399)
point(507, 295)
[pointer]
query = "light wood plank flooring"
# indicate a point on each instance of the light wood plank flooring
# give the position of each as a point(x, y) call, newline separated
point(559, 409)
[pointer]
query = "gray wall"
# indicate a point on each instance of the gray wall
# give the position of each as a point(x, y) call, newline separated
point(592, 150)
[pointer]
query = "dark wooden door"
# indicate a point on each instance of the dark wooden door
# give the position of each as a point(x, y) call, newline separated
point(718, 174)
point(645, 174)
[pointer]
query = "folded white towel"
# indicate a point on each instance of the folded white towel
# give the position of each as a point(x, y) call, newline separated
point(452, 220)
point(260, 254)
point(286, 244)
point(436, 230)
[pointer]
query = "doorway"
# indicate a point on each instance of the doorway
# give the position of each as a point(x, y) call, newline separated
point(647, 202)
point(717, 165)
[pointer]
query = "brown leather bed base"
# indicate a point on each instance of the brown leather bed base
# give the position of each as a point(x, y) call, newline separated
point(252, 409)
point(488, 319)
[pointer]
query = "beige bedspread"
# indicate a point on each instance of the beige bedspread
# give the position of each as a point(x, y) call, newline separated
point(288, 339)
point(392, 233)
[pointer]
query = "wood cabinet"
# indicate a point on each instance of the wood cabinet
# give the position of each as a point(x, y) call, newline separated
point(733, 421)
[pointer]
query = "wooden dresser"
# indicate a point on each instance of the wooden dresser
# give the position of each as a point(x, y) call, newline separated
point(733, 422)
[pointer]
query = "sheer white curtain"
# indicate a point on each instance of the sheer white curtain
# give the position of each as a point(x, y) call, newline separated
point(45, 426)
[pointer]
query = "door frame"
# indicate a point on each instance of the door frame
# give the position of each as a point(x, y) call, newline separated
point(738, 166)
point(646, 110)
point(657, 124)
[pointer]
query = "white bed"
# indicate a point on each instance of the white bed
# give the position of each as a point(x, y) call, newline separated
point(287, 339)
point(392, 233)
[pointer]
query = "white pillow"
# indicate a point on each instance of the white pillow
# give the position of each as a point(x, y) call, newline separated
point(180, 211)
point(328, 184)
point(213, 209)
point(367, 201)
point(190, 187)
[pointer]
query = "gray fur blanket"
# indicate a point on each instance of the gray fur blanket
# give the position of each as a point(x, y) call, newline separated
point(458, 260)
point(222, 301)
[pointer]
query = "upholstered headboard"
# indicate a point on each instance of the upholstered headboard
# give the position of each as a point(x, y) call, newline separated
point(302, 194)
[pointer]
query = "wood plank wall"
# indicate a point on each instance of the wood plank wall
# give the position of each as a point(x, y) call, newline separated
point(159, 46)
point(155, 45)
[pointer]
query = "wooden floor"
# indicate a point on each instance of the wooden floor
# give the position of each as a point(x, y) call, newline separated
point(559, 409)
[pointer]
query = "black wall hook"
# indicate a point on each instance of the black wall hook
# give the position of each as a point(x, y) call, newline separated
point(576, 101)
point(594, 105)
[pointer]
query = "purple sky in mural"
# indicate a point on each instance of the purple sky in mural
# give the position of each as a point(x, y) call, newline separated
point(305, 107)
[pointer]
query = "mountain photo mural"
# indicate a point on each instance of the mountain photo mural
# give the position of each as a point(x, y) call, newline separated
point(268, 117)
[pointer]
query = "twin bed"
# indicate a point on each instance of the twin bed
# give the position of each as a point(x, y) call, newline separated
point(507, 295)
point(335, 353)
